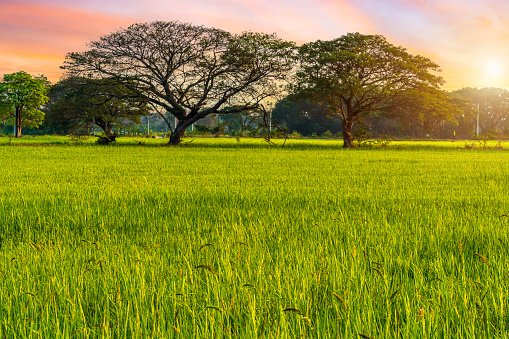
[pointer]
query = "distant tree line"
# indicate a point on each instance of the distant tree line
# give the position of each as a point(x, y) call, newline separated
point(355, 86)
point(449, 115)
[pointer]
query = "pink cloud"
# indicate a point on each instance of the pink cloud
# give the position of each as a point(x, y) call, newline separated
point(35, 32)
point(457, 34)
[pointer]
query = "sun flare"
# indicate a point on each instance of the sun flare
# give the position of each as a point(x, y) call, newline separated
point(494, 69)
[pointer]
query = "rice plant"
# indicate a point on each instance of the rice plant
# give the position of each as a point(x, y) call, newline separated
point(217, 239)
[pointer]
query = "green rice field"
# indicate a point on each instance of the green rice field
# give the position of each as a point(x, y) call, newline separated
point(226, 238)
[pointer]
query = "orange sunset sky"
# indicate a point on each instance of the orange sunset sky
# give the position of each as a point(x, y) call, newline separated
point(469, 39)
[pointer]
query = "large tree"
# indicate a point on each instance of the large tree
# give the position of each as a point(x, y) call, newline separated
point(357, 75)
point(21, 97)
point(425, 108)
point(189, 71)
point(493, 106)
point(76, 102)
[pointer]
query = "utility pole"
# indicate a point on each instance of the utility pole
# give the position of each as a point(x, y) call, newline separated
point(148, 125)
point(270, 121)
point(477, 131)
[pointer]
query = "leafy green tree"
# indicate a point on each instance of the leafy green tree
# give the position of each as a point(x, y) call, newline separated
point(305, 117)
point(425, 107)
point(5, 113)
point(21, 97)
point(357, 75)
point(492, 104)
point(80, 102)
point(189, 71)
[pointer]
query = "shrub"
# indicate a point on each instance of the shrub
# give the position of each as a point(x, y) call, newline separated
point(106, 140)
point(327, 134)
point(295, 135)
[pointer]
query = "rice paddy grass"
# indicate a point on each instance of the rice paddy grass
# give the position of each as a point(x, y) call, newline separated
point(214, 239)
point(245, 142)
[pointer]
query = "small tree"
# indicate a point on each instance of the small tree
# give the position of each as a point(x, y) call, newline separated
point(190, 71)
point(21, 97)
point(356, 75)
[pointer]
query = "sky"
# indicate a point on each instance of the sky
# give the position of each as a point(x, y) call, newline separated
point(469, 39)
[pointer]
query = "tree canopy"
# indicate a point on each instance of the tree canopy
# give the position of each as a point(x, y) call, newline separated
point(190, 71)
point(492, 104)
point(76, 102)
point(425, 108)
point(21, 97)
point(357, 75)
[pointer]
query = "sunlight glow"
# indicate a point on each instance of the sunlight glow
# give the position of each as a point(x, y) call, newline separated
point(494, 69)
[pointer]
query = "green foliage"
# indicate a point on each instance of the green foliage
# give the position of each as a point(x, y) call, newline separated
point(296, 134)
point(201, 129)
point(492, 104)
point(79, 102)
point(327, 134)
point(6, 108)
point(486, 135)
point(21, 97)
point(305, 117)
point(357, 75)
point(425, 107)
point(106, 140)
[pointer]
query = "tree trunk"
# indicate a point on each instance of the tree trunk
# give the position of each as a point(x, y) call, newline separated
point(105, 126)
point(17, 123)
point(347, 134)
point(176, 137)
point(108, 129)
point(178, 133)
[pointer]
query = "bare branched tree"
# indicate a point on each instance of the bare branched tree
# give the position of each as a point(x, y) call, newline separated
point(189, 71)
